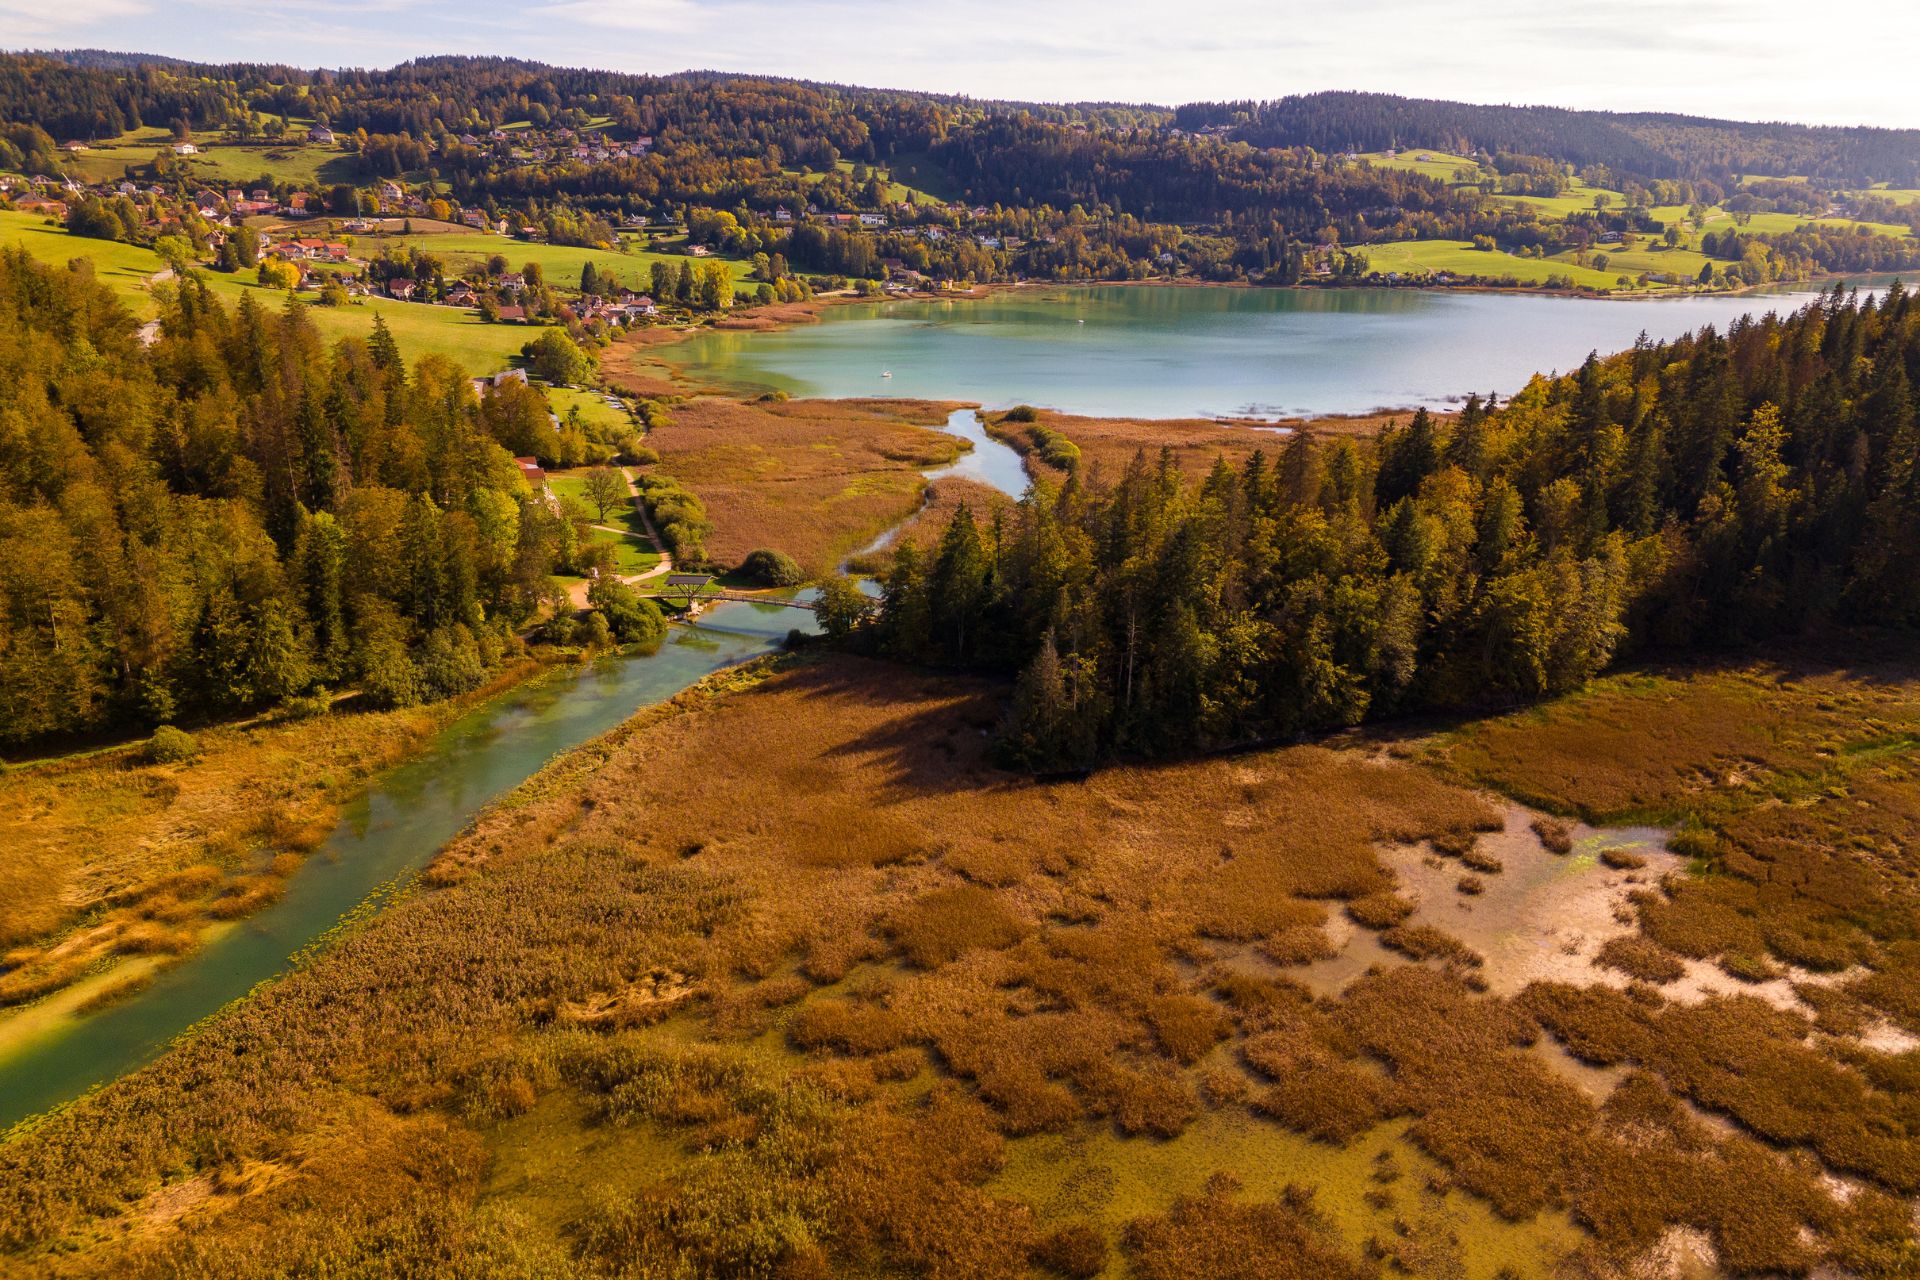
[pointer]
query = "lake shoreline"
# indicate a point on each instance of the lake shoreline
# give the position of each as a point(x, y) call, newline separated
point(777, 317)
point(1150, 350)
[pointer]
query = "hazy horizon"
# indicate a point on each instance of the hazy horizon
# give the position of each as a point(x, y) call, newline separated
point(1721, 58)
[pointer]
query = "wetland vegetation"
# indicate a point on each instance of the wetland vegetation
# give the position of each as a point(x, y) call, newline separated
point(1469, 845)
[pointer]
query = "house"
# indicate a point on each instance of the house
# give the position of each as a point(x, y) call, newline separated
point(643, 144)
point(508, 375)
point(782, 215)
point(468, 140)
point(320, 134)
point(513, 280)
point(207, 200)
point(531, 469)
point(513, 315)
point(461, 296)
point(391, 191)
point(873, 220)
point(41, 205)
point(76, 147)
point(401, 288)
point(260, 193)
point(297, 202)
point(185, 149)
point(474, 217)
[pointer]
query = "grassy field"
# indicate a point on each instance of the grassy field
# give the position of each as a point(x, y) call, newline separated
point(562, 264)
point(592, 405)
point(911, 168)
point(1899, 195)
point(1577, 198)
point(223, 163)
point(854, 1001)
point(458, 334)
point(632, 552)
point(816, 479)
point(1681, 263)
point(1426, 257)
point(1439, 164)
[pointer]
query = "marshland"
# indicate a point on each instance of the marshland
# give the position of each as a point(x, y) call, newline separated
point(1142, 811)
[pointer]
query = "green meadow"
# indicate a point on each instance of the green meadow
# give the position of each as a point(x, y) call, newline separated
point(292, 160)
point(1421, 257)
point(559, 262)
point(1437, 164)
point(632, 552)
point(592, 405)
point(420, 330)
point(917, 169)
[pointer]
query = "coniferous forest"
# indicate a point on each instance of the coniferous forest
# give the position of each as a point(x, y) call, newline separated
point(239, 513)
point(1720, 488)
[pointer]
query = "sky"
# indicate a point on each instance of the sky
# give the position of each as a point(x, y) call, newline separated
point(1738, 59)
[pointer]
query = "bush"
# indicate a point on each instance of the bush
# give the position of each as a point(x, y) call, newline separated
point(630, 617)
point(774, 568)
point(1021, 413)
point(1055, 449)
point(1641, 958)
point(169, 745)
point(1555, 836)
point(306, 706)
point(1379, 910)
point(1076, 1251)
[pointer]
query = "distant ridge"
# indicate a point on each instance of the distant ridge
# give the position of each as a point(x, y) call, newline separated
point(1652, 144)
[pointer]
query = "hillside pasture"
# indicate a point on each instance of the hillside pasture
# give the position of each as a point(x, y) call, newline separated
point(453, 332)
point(1460, 258)
point(221, 162)
point(561, 264)
point(1441, 165)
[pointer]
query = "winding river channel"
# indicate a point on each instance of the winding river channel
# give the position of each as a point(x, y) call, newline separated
point(1151, 352)
point(403, 820)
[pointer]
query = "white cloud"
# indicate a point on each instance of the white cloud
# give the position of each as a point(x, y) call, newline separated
point(33, 23)
point(1748, 59)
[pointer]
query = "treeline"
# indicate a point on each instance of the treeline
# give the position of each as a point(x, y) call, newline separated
point(240, 514)
point(1699, 492)
point(1647, 146)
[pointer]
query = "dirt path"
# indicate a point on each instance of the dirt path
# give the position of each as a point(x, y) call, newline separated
point(577, 592)
point(653, 534)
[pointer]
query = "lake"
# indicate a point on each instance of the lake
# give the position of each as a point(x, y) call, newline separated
point(1167, 352)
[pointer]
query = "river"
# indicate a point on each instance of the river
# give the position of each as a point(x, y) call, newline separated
point(1151, 351)
point(403, 819)
point(1139, 351)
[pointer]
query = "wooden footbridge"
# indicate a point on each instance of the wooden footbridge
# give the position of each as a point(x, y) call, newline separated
point(747, 597)
point(688, 589)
